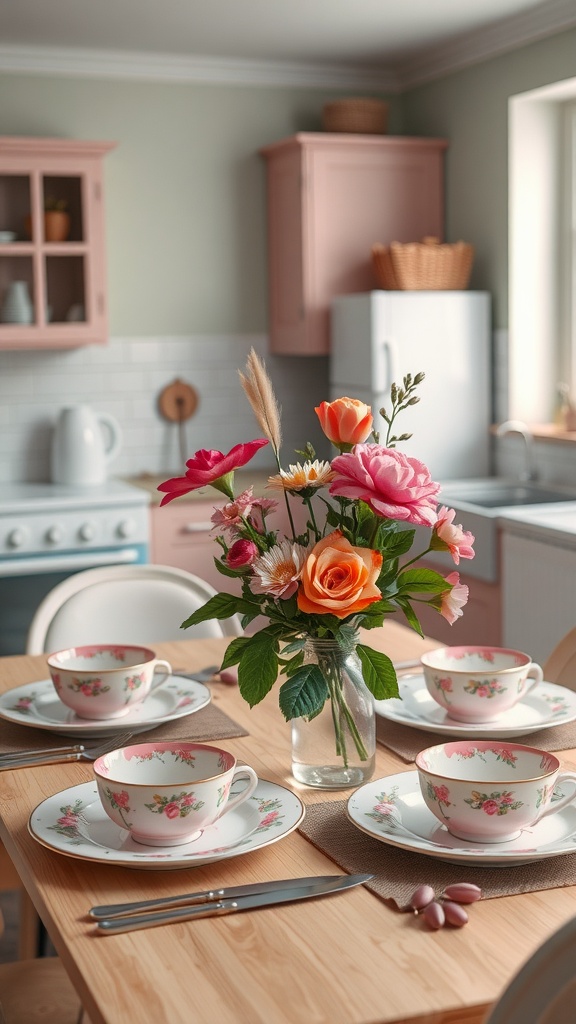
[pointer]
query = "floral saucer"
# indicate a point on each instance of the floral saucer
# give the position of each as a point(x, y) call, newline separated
point(393, 811)
point(544, 706)
point(36, 705)
point(73, 822)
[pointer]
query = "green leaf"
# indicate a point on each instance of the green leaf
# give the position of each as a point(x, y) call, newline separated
point(221, 606)
point(411, 617)
point(304, 694)
point(233, 652)
point(258, 667)
point(422, 581)
point(294, 664)
point(378, 672)
point(226, 570)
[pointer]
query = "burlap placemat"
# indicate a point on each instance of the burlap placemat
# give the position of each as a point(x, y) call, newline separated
point(407, 741)
point(209, 723)
point(397, 873)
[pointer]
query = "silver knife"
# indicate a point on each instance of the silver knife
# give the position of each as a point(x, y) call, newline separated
point(295, 889)
point(190, 899)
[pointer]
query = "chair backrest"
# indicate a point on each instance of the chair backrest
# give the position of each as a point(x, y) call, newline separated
point(141, 604)
point(560, 666)
point(542, 992)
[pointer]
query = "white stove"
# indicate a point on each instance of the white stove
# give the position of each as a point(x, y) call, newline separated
point(48, 531)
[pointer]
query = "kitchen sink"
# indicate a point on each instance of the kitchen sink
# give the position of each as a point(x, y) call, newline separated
point(495, 493)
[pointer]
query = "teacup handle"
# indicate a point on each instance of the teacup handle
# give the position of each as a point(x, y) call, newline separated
point(535, 676)
point(558, 804)
point(243, 771)
point(167, 673)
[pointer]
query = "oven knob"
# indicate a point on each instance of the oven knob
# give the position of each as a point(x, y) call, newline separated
point(16, 538)
point(126, 528)
point(87, 531)
point(54, 535)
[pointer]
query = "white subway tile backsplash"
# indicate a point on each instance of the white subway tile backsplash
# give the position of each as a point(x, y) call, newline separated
point(125, 379)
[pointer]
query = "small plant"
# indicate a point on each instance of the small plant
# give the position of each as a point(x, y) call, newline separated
point(51, 204)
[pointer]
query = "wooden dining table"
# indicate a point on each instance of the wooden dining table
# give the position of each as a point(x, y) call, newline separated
point(348, 958)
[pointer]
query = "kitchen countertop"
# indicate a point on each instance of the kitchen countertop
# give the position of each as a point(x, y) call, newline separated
point(552, 524)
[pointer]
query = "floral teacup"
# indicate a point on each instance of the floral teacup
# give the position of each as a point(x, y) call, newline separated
point(164, 794)
point(106, 680)
point(476, 684)
point(487, 791)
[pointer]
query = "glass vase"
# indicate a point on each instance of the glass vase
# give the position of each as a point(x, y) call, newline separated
point(336, 748)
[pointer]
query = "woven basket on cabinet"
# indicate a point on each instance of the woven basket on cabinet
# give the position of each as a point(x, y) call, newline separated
point(423, 266)
point(363, 116)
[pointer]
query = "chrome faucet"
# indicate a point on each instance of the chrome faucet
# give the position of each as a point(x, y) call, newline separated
point(518, 427)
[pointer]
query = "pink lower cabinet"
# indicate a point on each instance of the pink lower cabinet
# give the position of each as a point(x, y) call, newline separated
point(180, 536)
point(330, 199)
point(481, 622)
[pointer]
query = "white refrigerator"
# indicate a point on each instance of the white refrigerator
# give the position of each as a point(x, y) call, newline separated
point(378, 337)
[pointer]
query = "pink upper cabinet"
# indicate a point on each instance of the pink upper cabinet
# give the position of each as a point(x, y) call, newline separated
point(52, 245)
point(330, 198)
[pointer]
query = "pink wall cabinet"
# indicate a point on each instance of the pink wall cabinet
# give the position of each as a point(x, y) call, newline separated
point(330, 199)
point(52, 275)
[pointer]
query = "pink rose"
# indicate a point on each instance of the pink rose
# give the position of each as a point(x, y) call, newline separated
point(241, 554)
point(122, 799)
point(483, 690)
point(211, 467)
point(448, 537)
point(453, 600)
point(490, 807)
point(172, 810)
point(392, 484)
point(442, 794)
point(446, 685)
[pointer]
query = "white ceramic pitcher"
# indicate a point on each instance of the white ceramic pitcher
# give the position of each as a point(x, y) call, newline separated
point(81, 449)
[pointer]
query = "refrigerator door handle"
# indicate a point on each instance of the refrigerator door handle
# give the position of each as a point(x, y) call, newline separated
point(388, 366)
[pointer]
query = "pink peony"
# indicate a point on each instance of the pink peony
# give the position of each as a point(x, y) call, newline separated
point(241, 554)
point(448, 537)
point(211, 467)
point(454, 600)
point(392, 484)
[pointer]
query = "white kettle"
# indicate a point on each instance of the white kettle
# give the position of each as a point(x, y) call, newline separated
point(81, 449)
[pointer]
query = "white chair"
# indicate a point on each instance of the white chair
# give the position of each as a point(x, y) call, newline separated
point(138, 604)
point(544, 989)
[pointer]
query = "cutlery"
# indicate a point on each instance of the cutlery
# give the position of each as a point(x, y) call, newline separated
point(58, 755)
point(259, 895)
point(212, 895)
point(201, 676)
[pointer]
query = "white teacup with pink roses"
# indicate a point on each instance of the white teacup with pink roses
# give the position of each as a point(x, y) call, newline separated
point(166, 793)
point(486, 791)
point(477, 684)
point(103, 681)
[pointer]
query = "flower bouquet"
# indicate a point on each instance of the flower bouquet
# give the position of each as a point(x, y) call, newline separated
point(348, 565)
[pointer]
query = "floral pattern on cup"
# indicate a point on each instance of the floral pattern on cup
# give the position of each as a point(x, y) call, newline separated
point(485, 688)
point(88, 687)
point(441, 796)
point(495, 802)
point(385, 806)
point(179, 805)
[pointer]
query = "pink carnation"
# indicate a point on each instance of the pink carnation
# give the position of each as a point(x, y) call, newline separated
point(210, 467)
point(454, 600)
point(449, 537)
point(392, 484)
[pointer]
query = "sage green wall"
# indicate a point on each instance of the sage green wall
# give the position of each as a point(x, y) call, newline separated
point(185, 189)
point(470, 109)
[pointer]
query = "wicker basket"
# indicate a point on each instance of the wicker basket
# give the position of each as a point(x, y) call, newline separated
point(364, 116)
point(423, 266)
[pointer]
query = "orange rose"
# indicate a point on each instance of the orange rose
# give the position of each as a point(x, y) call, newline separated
point(346, 421)
point(339, 579)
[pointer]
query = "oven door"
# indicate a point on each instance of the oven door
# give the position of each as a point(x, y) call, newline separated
point(25, 582)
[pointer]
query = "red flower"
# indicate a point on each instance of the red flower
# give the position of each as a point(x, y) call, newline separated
point(211, 467)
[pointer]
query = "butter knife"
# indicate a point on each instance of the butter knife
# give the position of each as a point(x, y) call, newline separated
point(212, 895)
point(259, 895)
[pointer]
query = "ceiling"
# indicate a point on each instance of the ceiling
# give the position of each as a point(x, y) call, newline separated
point(395, 42)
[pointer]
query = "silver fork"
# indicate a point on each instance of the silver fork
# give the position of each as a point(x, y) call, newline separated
point(57, 755)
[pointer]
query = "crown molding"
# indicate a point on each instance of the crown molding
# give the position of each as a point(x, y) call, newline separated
point(508, 34)
point(165, 67)
point(545, 19)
